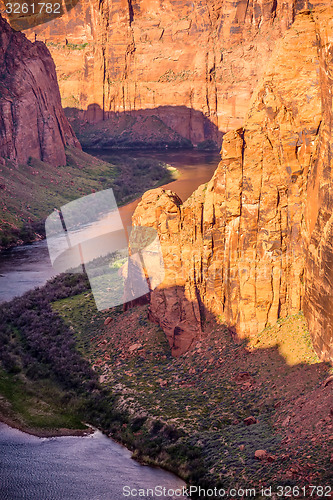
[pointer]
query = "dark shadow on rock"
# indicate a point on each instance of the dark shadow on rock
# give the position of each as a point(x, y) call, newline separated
point(181, 319)
point(230, 400)
point(258, 415)
point(157, 128)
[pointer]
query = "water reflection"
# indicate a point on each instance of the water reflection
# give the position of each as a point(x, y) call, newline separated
point(24, 268)
point(73, 468)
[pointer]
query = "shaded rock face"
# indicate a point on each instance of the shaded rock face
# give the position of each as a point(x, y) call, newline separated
point(125, 131)
point(150, 55)
point(255, 243)
point(32, 121)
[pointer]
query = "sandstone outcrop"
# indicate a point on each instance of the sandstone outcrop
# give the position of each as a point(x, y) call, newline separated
point(203, 57)
point(32, 121)
point(255, 243)
point(318, 301)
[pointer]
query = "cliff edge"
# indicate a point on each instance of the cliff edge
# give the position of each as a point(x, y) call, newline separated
point(193, 64)
point(254, 244)
point(32, 121)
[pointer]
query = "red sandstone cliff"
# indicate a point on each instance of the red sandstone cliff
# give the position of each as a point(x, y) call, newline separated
point(32, 121)
point(194, 64)
point(255, 243)
point(318, 300)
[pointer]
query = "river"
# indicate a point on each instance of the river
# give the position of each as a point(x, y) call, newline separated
point(92, 467)
point(26, 267)
point(75, 468)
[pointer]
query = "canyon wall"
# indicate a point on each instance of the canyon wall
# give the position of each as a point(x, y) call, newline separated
point(318, 301)
point(194, 63)
point(254, 244)
point(32, 121)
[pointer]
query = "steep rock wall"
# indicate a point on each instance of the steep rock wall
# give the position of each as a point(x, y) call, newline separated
point(32, 121)
point(239, 246)
point(194, 64)
point(318, 302)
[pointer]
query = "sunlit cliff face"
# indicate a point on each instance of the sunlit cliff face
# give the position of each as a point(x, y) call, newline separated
point(254, 244)
point(23, 15)
point(194, 64)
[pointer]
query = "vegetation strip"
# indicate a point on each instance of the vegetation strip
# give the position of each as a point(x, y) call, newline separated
point(203, 416)
point(29, 194)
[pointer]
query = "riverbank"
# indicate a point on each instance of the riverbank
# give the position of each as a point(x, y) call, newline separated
point(203, 415)
point(47, 381)
point(223, 402)
point(29, 194)
point(43, 433)
point(79, 468)
point(37, 407)
point(28, 266)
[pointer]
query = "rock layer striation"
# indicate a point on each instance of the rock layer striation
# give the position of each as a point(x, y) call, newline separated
point(32, 121)
point(254, 244)
point(193, 64)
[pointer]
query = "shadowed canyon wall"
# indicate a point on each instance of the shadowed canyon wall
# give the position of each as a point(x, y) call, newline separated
point(32, 121)
point(125, 55)
point(254, 244)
